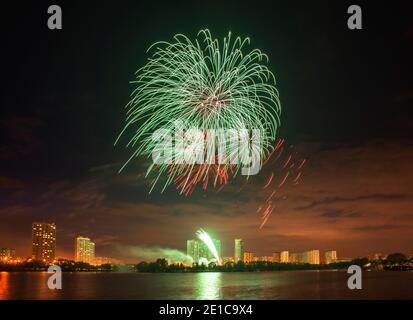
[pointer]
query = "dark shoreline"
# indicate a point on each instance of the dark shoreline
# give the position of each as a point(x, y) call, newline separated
point(394, 262)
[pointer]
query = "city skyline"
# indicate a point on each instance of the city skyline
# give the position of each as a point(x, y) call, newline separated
point(84, 249)
point(44, 246)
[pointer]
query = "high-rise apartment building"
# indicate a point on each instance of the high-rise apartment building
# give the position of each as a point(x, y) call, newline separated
point(192, 250)
point(284, 257)
point(43, 241)
point(238, 250)
point(84, 250)
point(330, 256)
point(311, 257)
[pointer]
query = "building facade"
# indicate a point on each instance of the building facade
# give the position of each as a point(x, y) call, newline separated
point(311, 257)
point(284, 257)
point(7, 254)
point(84, 250)
point(330, 256)
point(248, 257)
point(295, 257)
point(238, 250)
point(276, 257)
point(265, 259)
point(43, 241)
point(192, 250)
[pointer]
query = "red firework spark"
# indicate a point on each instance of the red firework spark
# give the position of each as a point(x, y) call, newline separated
point(288, 171)
point(205, 174)
point(283, 165)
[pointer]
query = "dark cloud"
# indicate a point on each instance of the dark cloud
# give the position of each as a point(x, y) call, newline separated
point(19, 137)
point(8, 183)
point(333, 200)
point(378, 228)
point(339, 213)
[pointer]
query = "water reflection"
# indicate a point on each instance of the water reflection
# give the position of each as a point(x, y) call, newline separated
point(4, 285)
point(208, 285)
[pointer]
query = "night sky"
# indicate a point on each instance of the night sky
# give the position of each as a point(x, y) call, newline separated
point(346, 106)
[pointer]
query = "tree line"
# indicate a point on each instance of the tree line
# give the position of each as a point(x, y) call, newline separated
point(392, 262)
point(66, 265)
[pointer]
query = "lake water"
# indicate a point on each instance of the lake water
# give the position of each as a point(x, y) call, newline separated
point(256, 285)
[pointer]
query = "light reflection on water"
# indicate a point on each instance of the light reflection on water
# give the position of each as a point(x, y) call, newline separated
point(4, 285)
point(208, 286)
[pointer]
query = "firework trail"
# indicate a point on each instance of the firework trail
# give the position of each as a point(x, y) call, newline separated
point(205, 238)
point(206, 84)
point(269, 180)
point(285, 166)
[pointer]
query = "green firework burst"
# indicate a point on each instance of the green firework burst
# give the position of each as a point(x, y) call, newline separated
point(208, 85)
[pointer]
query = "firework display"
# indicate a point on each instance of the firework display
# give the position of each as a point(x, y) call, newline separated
point(204, 84)
point(205, 238)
